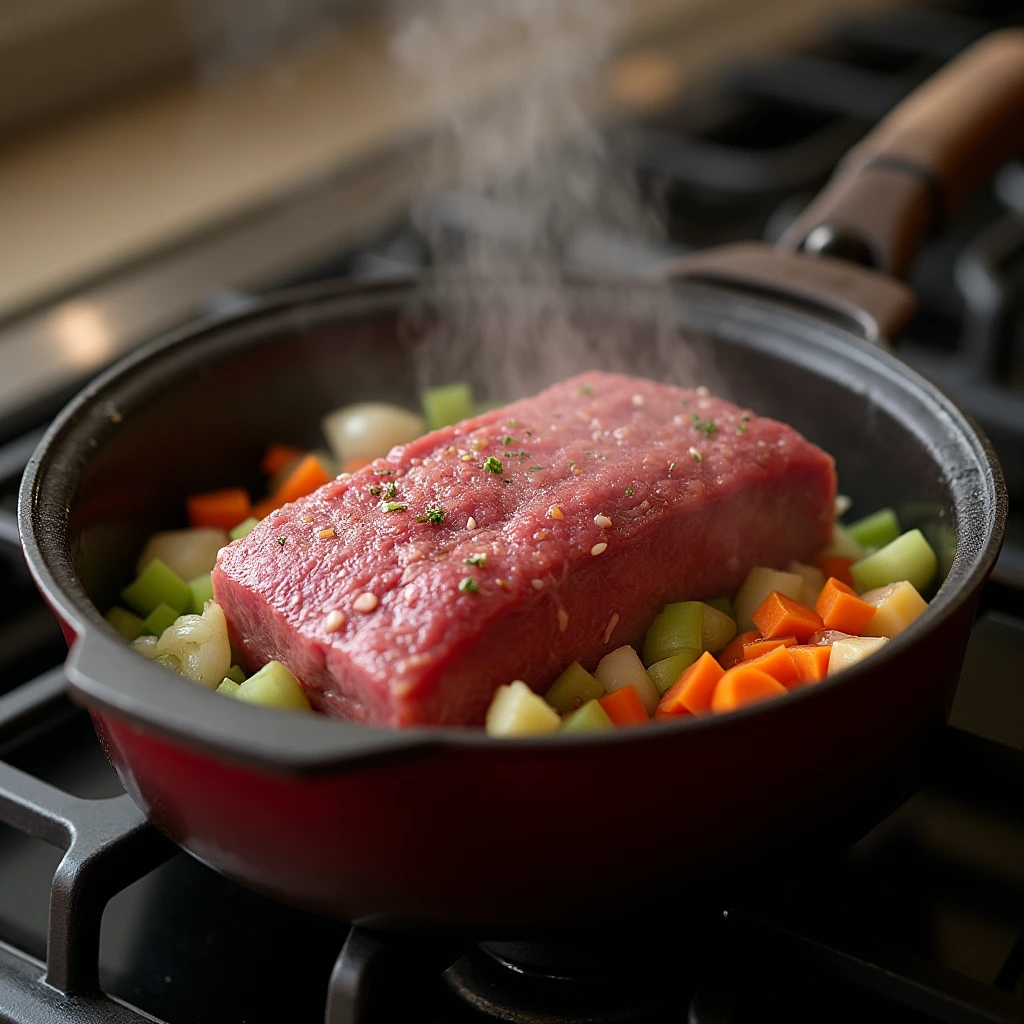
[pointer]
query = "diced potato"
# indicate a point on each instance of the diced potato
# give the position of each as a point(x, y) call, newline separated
point(760, 582)
point(623, 667)
point(814, 580)
point(368, 430)
point(909, 557)
point(851, 650)
point(272, 687)
point(896, 607)
point(189, 553)
point(717, 629)
point(200, 643)
point(843, 544)
point(517, 711)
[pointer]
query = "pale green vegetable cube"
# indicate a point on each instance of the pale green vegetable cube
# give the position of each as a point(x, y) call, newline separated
point(202, 591)
point(274, 687)
point(229, 688)
point(155, 585)
point(717, 629)
point(852, 650)
point(125, 622)
point(876, 530)
point(760, 582)
point(162, 616)
point(723, 605)
point(622, 667)
point(236, 674)
point(244, 528)
point(447, 404)
point(664, 673)
point(591, 717)
point(677, 627)
point(909, 557)
point(573, 688)
point(516, 710)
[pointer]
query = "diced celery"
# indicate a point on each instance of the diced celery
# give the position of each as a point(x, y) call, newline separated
point(896, 607)
point(842, 545)
point(202, 591)
point(162, 616)
point(274, 687)
point(876, 530)
point(760, 582)
point(125, 622)
point(447, 404)
point(591, 717)
point(168, 661)
point(909, 557)
point(516, 710)
point(853, 649)
point(244, 528)
point(664, 673)
point(623, 668)
point(677, 627)
point(155, 585)
point(573, 688)
point(228, 687)
point(722, 604)
point(717, 629)
point(236, 674)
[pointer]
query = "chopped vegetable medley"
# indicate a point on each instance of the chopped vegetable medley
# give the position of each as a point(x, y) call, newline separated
point(782, 630)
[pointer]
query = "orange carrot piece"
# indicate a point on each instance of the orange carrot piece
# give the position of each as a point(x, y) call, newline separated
point(760, 647)
point(691, 692)
point(732, 653)
point(225, 508)
point(354, 465)
point(304, 479)
point(782, 616)
point(841, 608)
point(838, 567)
point(811, 662)
point(744, 685)
point(624, 707)
point(277, 457)
point(779, 665)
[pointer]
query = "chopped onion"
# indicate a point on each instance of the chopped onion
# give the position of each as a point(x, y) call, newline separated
point(189, 553)
point(200, 643)
point(760, 582)
point(368, 430)
point(623, 667)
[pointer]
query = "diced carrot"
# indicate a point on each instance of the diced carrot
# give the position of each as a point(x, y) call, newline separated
point(353, 465)
point(225, 508)
point(839, 567)
point(811, 662)
point(732, 653)
point(277, 457)
point(779, 665)
point(841, 608)
point(744, 685)
point(624, 707)
point(304, 479)
point(691, 692)
point(760, 647)
point(780, 615)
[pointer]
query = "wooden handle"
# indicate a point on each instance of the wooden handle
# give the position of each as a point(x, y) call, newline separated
point(922, 164)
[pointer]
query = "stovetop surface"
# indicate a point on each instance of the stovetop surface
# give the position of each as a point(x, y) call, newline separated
point(921, 920)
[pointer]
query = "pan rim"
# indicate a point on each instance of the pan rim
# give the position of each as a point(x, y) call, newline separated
point(318, 744)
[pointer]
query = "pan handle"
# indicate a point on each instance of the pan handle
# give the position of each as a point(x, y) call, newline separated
point(917, 170)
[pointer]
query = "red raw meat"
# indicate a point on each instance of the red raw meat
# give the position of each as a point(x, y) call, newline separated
point(696, 490)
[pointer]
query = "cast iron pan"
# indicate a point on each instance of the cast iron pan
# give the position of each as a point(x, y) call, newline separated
point(447, 828)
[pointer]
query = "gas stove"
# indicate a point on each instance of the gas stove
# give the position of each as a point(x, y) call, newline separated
point(103, 920)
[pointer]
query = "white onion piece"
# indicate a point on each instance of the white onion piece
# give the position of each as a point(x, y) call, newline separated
point(760, 582)
point(189, 553)
point(368, 430)
point(843, 504)
point(814, 580)
point(146, 646)
point(200, 643)
point(622, 668)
